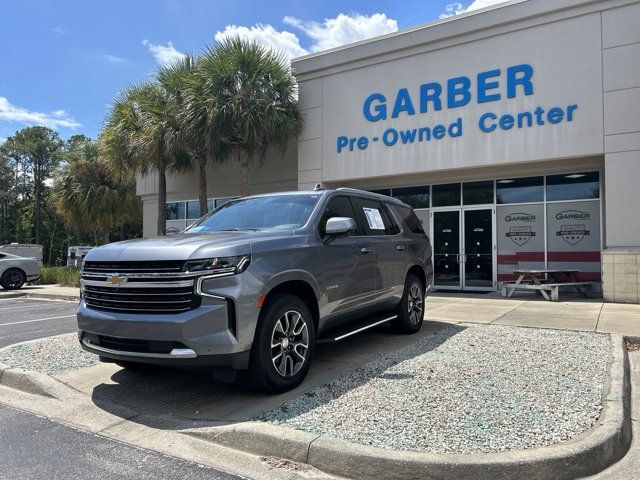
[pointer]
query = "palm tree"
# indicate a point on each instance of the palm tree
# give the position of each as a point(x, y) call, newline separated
point(243, 102)
point(143, 134)
point(178, 81)
point(87, 194)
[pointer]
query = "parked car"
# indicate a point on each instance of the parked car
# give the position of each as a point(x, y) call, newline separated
point(15, 271)
point(256, 283)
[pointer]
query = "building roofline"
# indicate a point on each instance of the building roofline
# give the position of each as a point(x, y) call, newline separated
point(439, 30)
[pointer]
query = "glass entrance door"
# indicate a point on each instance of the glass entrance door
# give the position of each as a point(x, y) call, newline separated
point(463, 247)
point(446, 249)
point(477, 254)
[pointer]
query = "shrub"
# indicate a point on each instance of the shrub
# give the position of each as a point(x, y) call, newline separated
point(63, 276)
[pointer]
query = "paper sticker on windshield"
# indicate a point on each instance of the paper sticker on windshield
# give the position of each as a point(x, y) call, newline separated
point(374, 218)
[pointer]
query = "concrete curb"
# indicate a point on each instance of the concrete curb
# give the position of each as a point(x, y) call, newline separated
point(53, 296)
point(593, 451)
point(32, 382)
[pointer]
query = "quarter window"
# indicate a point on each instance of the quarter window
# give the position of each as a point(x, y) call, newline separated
point(409, 218)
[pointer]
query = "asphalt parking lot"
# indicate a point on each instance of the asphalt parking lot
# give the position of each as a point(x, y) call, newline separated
point(24, 319)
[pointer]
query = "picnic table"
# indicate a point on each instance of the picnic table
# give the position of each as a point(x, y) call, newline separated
point(547, 282)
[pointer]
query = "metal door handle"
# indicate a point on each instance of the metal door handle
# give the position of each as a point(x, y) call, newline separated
point(365, 249)
point(458, 258)
point(464, 257)
point(400, 247)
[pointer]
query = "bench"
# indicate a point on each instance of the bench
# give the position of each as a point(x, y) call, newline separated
point(584, 288)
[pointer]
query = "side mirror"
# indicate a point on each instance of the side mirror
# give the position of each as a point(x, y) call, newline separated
point(340, 226)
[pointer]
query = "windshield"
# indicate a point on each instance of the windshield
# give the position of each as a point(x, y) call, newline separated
point(273, 212)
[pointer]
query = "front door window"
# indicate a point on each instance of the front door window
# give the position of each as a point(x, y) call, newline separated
point(478, 248)
point(446, 248)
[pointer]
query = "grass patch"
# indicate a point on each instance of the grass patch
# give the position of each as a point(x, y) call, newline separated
point(63, 276)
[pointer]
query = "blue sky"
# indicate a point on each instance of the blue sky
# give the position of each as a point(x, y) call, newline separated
point(63, 61)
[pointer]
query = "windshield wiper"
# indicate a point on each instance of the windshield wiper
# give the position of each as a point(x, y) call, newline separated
point(240, 230)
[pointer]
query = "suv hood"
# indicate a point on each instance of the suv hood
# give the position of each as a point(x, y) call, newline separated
point(185, 246)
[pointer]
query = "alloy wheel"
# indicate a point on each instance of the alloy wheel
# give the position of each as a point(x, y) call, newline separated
point(415, 304)
point(289, 343)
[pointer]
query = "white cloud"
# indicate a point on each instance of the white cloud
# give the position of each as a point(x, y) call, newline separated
point(456, 8)
point(114, 59)
point(286, 42)
point(452, 9)
point(59, 30)
point(332, 32)
point(56, 119)
point(2, 140)
point(164, 54)
point(344, 29)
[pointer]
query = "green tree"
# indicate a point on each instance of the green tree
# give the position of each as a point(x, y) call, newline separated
point(244, 101)
point(143, 134)
point(37, 151)
point(89, 196)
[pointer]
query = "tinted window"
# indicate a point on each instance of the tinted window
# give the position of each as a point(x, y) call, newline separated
point(409, 218)
point(417, 197)
point(520, 190)
point(573, 186)
point(337, 207)
point(175, 211)
point(270, 212)
point(446, 195)
point(391, 227)
point(475, 193)
point(193, 209)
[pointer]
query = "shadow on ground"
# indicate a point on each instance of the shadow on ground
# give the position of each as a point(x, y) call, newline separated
point(174, 399)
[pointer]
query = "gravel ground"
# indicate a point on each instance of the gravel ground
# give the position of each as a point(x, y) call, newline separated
point(49, 355)
point(466, 389)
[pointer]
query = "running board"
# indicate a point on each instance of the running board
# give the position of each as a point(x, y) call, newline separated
point(348, 330)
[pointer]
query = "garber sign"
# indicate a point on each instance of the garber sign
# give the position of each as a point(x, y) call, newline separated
point(491, 86)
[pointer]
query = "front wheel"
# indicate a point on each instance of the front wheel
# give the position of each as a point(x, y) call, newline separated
point(411, 309)
point(12, 279)
point(283, 345)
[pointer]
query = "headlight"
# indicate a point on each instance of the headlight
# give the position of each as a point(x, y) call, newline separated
point(219, 265)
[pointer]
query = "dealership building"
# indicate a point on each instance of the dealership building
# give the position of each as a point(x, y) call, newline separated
point(513, 131)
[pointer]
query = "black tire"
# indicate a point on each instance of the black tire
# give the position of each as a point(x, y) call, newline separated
point(283, 367)
point(410, 311)
point(13, 279)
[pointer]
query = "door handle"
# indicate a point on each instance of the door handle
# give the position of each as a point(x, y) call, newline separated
point(400, 247)
point(458, 258)
point(365, 250)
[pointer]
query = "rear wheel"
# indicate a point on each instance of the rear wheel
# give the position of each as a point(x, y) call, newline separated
point(12, 279)
point(283, 345)
point(411, 308)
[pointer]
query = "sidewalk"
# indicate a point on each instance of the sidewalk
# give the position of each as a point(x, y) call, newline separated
point(529, 310)
point(50, 292)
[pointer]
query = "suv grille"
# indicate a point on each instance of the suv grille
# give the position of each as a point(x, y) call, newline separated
point(138, 287)
point(153, 266)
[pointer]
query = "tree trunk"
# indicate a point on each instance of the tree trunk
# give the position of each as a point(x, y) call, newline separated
point(245, 186)
point(162, 203)
point(202, 183)
point(38, 192)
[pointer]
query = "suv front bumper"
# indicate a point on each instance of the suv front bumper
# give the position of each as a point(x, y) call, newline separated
point(200, 337)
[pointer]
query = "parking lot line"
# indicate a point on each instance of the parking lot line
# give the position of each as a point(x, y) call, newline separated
point(35, 320)
point(32, 305)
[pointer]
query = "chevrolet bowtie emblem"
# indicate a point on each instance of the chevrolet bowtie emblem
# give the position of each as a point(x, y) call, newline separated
point(116, 280)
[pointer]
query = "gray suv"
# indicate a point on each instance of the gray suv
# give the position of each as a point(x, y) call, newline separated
point(256, 283)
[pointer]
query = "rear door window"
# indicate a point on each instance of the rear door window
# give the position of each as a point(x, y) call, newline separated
point(375, 218)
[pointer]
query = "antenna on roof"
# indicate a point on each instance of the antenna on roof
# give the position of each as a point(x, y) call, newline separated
point(318, 187)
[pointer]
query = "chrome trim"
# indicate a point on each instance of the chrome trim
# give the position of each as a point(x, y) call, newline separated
point(89, 296)
point(112, 273)
point(199, 281)
point(367, 327)
point(95, 283)
point(175, 353)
